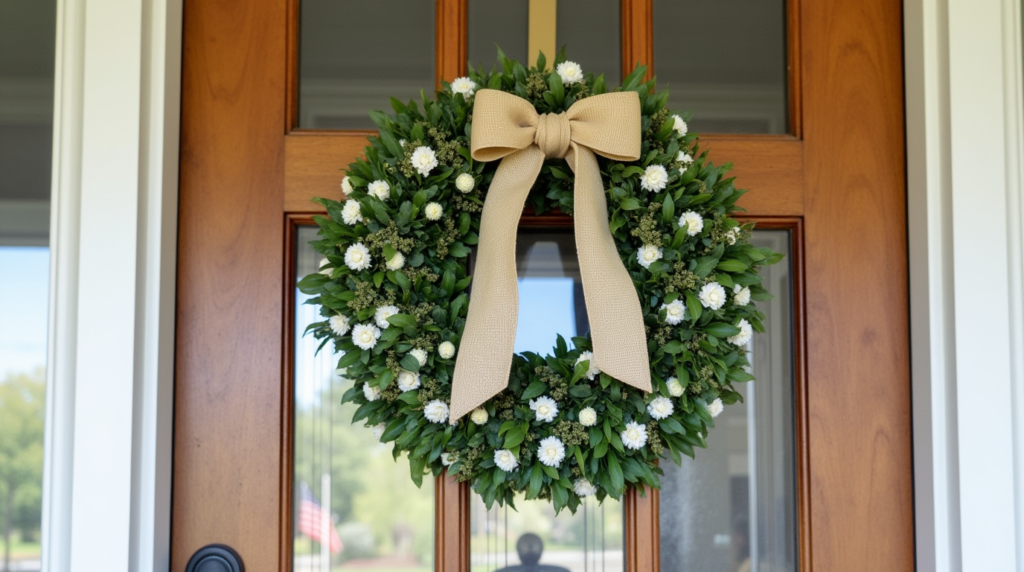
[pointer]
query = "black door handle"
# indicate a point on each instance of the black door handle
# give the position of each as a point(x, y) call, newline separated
point(215, 558)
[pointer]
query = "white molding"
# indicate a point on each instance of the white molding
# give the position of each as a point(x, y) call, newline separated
point(109, 422)
point(58, 463)
point(1013, 101)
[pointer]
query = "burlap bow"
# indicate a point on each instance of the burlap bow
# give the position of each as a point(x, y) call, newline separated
point(506, 126)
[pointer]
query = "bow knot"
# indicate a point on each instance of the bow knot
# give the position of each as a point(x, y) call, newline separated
point(508, 127)
point(553, 135)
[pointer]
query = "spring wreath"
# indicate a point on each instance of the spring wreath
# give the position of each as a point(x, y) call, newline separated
point(668, 278)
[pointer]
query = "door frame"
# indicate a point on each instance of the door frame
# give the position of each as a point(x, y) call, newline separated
point(853, 439)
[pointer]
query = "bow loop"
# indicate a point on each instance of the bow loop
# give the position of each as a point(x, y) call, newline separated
point(507, 127)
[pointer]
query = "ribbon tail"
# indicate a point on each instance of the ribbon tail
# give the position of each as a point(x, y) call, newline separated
point(485, 351)
point(613, 308)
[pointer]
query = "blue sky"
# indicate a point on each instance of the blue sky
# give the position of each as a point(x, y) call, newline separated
point(24, 292)
point(545, 309)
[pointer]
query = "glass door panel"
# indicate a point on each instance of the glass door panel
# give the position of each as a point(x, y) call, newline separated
point(725, 61)
point(354, 504)
point(550, 303)
point(590, 29)
point(734, 507)
point(354, 56)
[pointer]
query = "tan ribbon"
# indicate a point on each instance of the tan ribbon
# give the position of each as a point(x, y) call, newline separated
point(507, 126)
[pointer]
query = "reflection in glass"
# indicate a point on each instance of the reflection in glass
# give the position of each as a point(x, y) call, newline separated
point(354, 505)
point(550, 303)
point(513, 540)
point(734, 507)
point(550, 291)
point(590, 29)
point(27, 44)
point(733, 82)
point(354, 56)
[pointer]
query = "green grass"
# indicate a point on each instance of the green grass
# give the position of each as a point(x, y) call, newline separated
point(21, 550)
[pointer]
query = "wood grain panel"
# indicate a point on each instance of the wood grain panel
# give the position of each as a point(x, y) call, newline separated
point(642, 551)
point(451, 524)
point(637, 36)
point(229, 317)
point(858, 359)
point(770, 165)
point(452, 40)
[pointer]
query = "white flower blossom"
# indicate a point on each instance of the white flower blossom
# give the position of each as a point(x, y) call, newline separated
point(655, 178)
point(584, 488)
point(679, 125)
point(396, 262)
point(357, 257)
point(588, 417)
point(570, 72)
point(378, 430)
point(464, 85)
point(436, 411)
point(365, 336)
point(648, 254)
point(339, 324)
point(408, 380)
point(675, 389)
point(740, 295)
point(446, 350)
point(325, 267)
point(433, 211)
point(423, 160)
point(382, 314)
point(465, 182)
point(448, 459)
point(712, 295)
point(379, 189)
point(692, 222)
point(732, 235)
point(634, 436)
point(420, 355)
point(479, 416)
point(660, 407)
point(371, 392)
point(545, 408)
point(684, 158)
point(715, 407)
point(346, 185)
point(352, 213)
point(592, 370)
point(746, 332)
point(675, 312)
point(505, 460)
point(551, 451)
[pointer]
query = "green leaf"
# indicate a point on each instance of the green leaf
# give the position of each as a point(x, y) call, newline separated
point(615, 473)
point(721, 329)
point(580, 391)
point(629, 204)
point(350, 358)
point(693, 305)
point(402, 321)
point(536, 480)
point(673, 347)
point(514, 437)
point(534, 389)
point(732, 265)
point(410, 363)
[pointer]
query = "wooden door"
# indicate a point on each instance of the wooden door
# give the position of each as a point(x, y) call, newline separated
point(836, 181)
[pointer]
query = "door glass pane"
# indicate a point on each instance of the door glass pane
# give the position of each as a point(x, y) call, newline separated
point(590, 30)
point(354, 505)
point(550, 303)
point(725, 61)
point(354, 56)
point(734, 507)
point(27, 40)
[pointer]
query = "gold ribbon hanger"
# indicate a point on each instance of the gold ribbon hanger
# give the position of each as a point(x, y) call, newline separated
point(508, 127)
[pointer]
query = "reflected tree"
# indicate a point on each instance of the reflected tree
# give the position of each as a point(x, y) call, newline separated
point(22, 414)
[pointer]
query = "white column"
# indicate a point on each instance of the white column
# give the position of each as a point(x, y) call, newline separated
point(110, 386)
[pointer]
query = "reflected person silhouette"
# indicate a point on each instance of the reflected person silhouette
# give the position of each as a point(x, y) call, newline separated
point(530, 547)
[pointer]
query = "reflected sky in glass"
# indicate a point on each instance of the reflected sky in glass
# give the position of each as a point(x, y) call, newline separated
point(546, 309)
point(24, 275)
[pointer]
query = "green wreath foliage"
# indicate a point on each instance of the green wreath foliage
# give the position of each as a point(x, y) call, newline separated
point(416, 239)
